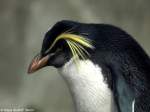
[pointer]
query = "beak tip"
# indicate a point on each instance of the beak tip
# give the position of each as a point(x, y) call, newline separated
point(37, 64)
point(29, 71)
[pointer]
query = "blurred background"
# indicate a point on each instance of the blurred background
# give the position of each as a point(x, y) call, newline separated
point(23, 24)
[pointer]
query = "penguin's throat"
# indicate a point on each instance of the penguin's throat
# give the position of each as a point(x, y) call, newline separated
point(89, 90)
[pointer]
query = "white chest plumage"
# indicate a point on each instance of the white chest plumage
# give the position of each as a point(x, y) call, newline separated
point(89, 90)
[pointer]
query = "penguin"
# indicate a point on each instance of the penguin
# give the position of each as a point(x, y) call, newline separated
point(105, 68)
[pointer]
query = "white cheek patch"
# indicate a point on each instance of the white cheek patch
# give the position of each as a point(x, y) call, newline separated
point(89, 90)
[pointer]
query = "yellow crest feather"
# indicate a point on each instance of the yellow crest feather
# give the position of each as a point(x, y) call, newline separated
point(76, 44)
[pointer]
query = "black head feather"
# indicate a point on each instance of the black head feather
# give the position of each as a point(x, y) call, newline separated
point(57, 29)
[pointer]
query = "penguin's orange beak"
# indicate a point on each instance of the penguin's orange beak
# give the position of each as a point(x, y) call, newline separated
point(37, 63)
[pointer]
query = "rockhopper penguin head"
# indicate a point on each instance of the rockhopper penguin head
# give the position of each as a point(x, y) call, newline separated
point(62, 43)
